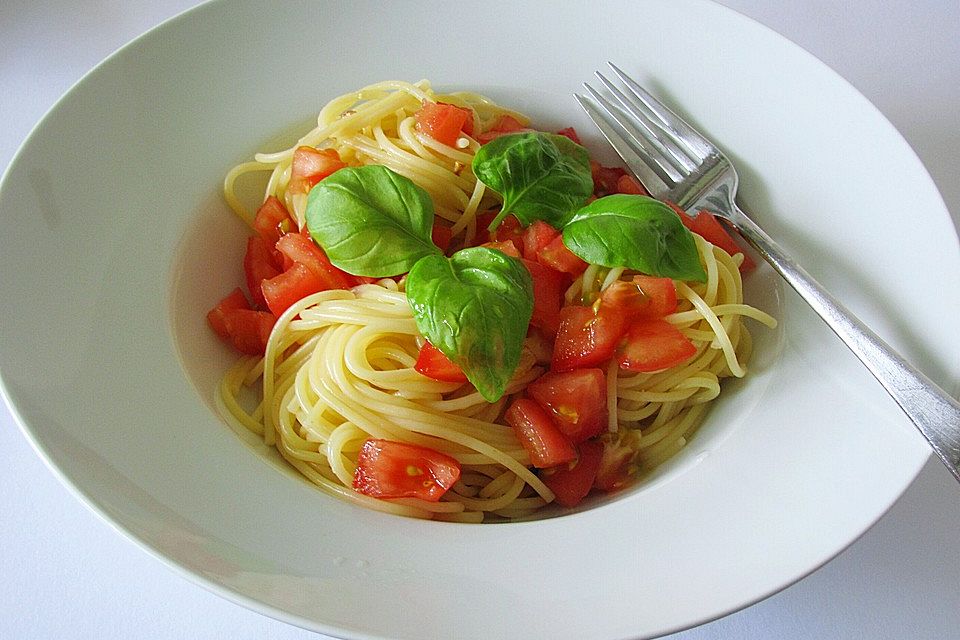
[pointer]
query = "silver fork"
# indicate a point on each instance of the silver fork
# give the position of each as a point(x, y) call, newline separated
point(677, 163)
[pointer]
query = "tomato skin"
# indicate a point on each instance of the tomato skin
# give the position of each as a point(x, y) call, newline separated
point(434, 364)
point(258, 265)
point(442, 235)
point(571, 485)
point(548, 289)
point(661, 292)
point(628, 184)
point(510, 230)
point(570, 132)
point(504, 246)
point(709, 228)
point(504, 124)
point(543, 441)
point(216, 316)
point(625, 297)
point(310, 166)
point(289, 287)
point(443, 122)
point(389, 469)
point(249, 330)
point(614, 472)
point(653, 345)
point(536, 237)
point(272, 220)
point(586, 337)
point(300, 248)
point(557, 256)
point(605, 179)
point(576, 400)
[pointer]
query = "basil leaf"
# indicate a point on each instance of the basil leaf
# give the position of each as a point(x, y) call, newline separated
point(475, 307)
point(636, 232)
point(371, 221)
point(541, 176)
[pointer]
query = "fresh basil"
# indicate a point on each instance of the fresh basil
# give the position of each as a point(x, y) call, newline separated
point(371, 221)
point(475, 307)
point(541, 176)
point(636, 232)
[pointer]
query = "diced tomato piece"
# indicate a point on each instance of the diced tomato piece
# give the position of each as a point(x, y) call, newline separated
point(543, 441)
point(536, 237)
point(662, 293)
point(653, 345)
point(615, 465)
point(259, 264)
point(539, 344)
point(710, 229)
point(443, 122)
point(506, 247)
point(557, 256)
point(298, 247)
point(628, 184)
point(434, 364)
point(215, 317)
point(570, 132)
point(388, 469)
point(571, 484)
point(249, 330)
point(503, 125)
point(287, 288)
point(586, 337)
point(625, 297)
point(442, 235)
point(576, 400)
point(605, 179)
point(548, 289)
point(272, 220)
point(310, 166)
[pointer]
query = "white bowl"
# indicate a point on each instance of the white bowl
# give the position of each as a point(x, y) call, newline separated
point(116, 242)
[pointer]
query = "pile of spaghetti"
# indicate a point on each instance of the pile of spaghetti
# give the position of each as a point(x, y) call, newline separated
point(451, 315)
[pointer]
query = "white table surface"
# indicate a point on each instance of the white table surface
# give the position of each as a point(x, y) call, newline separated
point(68, 574)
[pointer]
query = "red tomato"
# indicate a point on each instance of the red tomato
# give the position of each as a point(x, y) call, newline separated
point(310, 166)
point(287, 288)
point(443, 122)
point(628, 184)
point(249, 330)
point(625, 297)
point(572, 484)
point(272, 220)
point(504, 246)
point(586, 337)
point(536, 237)
point(541, 438)
point(215, 317)
point(557, 256)
point(442, 235)
point(298, 247)
point(432, 363)
point(509, 230)
point(615, 470)
point(388, 469)
point(503, 125)
point(653, 345)
point(707, 226)
point(605, 179)
point(571, 133)
point(258, 265)
point(576, 400)
point(662, 294)
point(548, 288)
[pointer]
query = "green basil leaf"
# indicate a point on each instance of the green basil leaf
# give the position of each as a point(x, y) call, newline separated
point(636, 232)
point(475, 307)
point(541, 176)
point(371, 221)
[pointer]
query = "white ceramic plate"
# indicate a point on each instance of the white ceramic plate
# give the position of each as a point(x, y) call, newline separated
point(115, 242)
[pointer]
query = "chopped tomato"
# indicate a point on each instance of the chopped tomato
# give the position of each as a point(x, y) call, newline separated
point(570, 132)
point(249, 330)
point(510, 230)
point(571, 484)
point(615, 465)
point(299, 247)
point(662, 293)
point(628, 184)
point(605, 179)
point(287, 288)
point(710, 229)
point(504, 246)
point(585, 337)
point(215, 317)
point(503, 125)
point(310, 166)
point(576, 400)
point(442, 235)
point(625, 297)
point(444, 122)
point(258, 265)
point(548, 288)
point(653, 345)
point(557, 256)
point(432, 363)
point(272, 220)
point(543, 441)
point(388, 469)
point(539, 344)
point(536, 237)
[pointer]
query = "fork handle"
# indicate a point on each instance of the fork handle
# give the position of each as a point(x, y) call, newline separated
point(932, 410)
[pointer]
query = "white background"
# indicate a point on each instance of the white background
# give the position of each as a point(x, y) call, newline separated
point(67, 574)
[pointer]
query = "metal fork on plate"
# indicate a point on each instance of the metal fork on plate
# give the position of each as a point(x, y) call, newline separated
point(678, 164)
